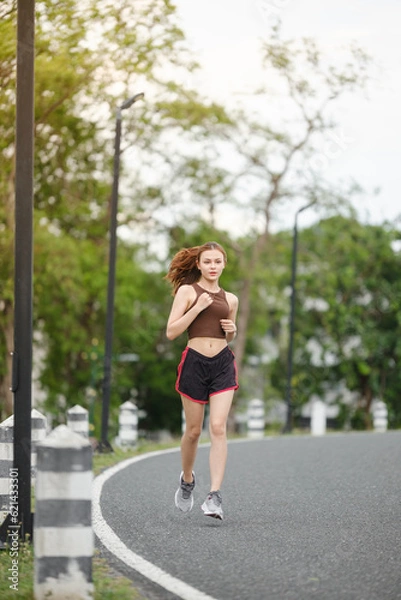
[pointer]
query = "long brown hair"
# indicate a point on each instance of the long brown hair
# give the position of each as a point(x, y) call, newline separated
point(184, 266)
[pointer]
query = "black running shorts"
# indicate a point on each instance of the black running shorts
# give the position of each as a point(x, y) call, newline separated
point(199, 376)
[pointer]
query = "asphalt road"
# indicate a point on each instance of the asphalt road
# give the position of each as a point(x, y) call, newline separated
point(305, 518)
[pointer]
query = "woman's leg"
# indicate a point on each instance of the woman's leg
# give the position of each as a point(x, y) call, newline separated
point(194, 414)
point(220, 405)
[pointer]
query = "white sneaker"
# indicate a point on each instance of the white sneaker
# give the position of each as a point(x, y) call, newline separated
point(212, 505)
point(184, 499)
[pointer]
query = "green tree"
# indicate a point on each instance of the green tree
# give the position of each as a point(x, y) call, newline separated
point(89, 57)
point(348, 316)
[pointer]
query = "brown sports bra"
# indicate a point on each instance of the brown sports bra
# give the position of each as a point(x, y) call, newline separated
point(207, 323)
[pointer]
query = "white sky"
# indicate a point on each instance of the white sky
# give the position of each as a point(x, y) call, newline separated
point(226, 36)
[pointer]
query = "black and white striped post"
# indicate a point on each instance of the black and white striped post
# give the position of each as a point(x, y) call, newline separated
point(6, 464)
point(256, 418)
point(78, 420)
point(127, 425)
point(39, 432)
point(63, 535)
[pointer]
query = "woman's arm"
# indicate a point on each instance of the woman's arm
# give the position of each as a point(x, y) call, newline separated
point(180, 317)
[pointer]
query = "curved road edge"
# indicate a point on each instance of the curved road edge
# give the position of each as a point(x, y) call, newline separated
point(115, 546)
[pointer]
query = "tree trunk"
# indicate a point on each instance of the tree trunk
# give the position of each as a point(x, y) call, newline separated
point(242, 323)
point(244, 311)
point(245, 298)
point(367, 399)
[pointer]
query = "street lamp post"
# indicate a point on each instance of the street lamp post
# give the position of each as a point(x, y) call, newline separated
point(104, 444)
point(23, 266)
point(288, 398)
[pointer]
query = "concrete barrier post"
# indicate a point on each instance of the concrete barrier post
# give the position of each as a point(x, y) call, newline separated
point(39, 431)
point(127, 425)
point(256, 418)
point(380, 417)
point(318, 417)
point(38, 422)
point(6, 464)
point(78, 420)
point(63, 535)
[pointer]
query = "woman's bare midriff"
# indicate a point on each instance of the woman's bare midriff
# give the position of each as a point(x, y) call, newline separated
point(207, 346)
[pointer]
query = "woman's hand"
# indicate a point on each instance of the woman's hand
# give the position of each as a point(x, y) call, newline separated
point(228, 326)
point(204, 301)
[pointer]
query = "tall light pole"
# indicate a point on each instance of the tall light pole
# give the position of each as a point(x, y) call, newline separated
point(23, 251)
point(104, 445)
point(288, 398)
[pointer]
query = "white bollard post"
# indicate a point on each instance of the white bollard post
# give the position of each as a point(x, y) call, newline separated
point(63, 535)
point(318, 417)
point(6, 464)
point(256, 418)
point(78, 420)
point(39, 430)
point(128, 425)
point(380, 417)
point(38, 424)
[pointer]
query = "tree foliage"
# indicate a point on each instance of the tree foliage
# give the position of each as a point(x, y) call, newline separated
point(348, 317)
point(89, 57)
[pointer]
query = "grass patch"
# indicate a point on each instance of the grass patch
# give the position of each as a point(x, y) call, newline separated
point(24, 583)
point(109, 585)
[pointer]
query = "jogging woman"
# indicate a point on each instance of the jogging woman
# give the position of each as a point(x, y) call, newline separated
point(207, 371)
